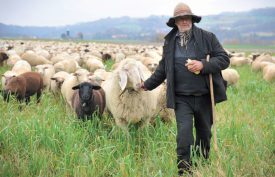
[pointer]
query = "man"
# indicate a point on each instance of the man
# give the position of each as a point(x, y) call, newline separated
point(188, 84)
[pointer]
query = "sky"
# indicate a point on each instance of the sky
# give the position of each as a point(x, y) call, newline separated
point(65, 12)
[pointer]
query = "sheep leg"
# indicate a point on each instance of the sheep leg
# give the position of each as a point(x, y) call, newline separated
point(38, 95)
point(27, 100)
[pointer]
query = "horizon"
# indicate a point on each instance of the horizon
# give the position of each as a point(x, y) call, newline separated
point(31, 13)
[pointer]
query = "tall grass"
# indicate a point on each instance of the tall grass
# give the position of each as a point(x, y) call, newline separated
point(47, 139)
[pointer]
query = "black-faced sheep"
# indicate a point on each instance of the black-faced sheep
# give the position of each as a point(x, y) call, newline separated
point(24, 86)
point(87, 99)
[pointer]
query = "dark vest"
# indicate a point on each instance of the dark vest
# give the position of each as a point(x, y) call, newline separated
point(186, 82)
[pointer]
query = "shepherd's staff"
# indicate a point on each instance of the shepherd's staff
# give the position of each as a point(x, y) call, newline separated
point(213, 107)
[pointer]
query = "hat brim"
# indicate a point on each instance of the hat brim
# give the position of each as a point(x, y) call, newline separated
point(171, 21)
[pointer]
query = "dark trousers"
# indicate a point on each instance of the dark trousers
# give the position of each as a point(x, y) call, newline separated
point(188, 107)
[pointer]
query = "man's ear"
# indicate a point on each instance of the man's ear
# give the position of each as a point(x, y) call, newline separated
point(122, 79)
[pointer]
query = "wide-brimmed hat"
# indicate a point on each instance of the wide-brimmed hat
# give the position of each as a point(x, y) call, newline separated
point(182, 10)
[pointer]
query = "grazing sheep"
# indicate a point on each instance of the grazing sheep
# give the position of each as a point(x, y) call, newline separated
point(81, 75)
point(33, 59)
point(69, 66)
point(256, 65)
point(231, 76)
point(269, 73)
point(57, 80)
point(21, 67)
point(125, 100)
point(7, 76)
point(24, 86)
point(46, 71)
point(239, 61)
point(3, 57)
point(94, 64)
point(88, 99)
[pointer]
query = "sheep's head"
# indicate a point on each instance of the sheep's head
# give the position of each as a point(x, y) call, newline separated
point(86, 90)
point(131, 76)
point(41, 69)
point(58, 80)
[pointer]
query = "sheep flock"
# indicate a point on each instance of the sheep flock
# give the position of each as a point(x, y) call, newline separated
point(63, 68)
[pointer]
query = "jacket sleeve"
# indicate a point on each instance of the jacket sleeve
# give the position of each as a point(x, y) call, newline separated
point(157, 77)
point(219, 59)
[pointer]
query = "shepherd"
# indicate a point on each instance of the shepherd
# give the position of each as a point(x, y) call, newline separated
point(187, 71)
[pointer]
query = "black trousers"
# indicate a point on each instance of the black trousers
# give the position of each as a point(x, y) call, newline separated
point(188, 107)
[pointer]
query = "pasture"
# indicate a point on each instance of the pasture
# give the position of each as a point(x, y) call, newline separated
point(47, 139)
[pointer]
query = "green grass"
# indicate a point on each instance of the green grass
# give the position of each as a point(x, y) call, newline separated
point(48, 140)
point(249, 48)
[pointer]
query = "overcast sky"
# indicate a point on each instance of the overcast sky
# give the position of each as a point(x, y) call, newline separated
point(64, 12)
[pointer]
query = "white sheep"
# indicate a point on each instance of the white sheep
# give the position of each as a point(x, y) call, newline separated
point(125, 100)
point(33, 59)
point(57, 80)
point(81, 75)
point(94, 64)
point(7, 76)
point(13, 59)
point(21, 67)
point(239, 61)
point(69, 66)
point(231, 76)
point(46, 71)
point(256, 65)
point(269, 72)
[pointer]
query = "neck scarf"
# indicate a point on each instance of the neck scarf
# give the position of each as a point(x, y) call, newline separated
point(184, 38)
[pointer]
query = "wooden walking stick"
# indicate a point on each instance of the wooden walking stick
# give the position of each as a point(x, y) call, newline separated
point(213, 107)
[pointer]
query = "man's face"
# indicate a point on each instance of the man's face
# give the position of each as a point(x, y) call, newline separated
point(184, 23)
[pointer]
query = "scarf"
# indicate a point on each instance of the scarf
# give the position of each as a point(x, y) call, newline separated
point(184, 38)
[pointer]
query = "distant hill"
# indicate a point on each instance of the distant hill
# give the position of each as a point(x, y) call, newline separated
point(255, 26)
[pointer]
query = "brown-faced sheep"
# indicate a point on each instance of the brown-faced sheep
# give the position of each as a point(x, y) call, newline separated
point(24, 86)
point(87, 99)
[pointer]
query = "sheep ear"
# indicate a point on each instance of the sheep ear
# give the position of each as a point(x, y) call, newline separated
point(141, 73)
point(75, 87)
point(123, 79)
point(52, 78)
point(96, 87)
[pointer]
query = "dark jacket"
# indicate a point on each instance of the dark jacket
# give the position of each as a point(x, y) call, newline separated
point(205, 43)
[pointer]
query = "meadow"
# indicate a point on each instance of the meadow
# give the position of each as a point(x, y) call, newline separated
point(47, 139)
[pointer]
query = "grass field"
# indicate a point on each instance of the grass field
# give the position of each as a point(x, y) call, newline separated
point(48, 140)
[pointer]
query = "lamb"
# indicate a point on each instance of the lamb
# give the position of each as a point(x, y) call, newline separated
point(125, 100)
point(87, 99)
point(33, 59)
point(24, 86)
point(231, 76)
point(79, 76)
point(3, 57)
point(13, 59)
point(57, 80)
point(46, 71)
